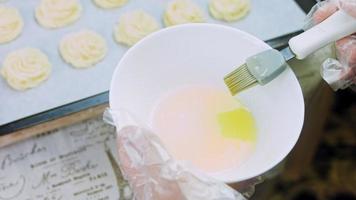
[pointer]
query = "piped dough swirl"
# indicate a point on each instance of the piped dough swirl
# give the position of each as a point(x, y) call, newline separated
point(229, 10)
point(181, 12)
point(25, 68)
point(11, 24)
point(83, 49)
point(57, 13)
point(134, 26)
point(107, 4)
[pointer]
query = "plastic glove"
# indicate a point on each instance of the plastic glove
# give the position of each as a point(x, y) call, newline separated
point(341, 73)
point(151, 171)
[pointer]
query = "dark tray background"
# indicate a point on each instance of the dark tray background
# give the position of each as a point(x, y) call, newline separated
point(103, 98)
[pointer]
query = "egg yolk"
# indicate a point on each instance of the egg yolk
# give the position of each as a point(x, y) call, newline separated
point(238, 124)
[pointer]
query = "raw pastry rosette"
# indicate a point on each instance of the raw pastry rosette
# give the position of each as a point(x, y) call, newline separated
point(134, 26)
point(181, 12)
point(83, 49)
point(57, 13)
point(110, 3)
point(11, 24)
point(25, 68)
point(229, 10)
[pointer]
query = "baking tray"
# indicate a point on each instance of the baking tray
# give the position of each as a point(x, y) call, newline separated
point(93, 100)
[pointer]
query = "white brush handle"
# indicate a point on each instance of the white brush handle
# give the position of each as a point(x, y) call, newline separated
point(330, 30)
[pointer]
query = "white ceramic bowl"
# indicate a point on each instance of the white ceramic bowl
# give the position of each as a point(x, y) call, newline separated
point(204, 54)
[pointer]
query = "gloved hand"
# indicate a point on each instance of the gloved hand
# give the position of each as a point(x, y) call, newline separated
point(153, 174)
point(340, 73)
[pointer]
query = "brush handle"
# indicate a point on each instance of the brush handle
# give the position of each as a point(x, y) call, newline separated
point(330, 30)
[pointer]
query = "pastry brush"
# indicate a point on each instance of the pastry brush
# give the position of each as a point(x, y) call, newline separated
point(267, 65)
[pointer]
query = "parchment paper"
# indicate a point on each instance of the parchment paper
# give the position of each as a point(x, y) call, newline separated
point(268, 19)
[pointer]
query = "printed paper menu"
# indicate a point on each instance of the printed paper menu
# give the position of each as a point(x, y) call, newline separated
point(77, 163)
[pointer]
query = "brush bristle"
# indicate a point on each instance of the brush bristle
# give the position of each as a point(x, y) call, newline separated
point(239, 79)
